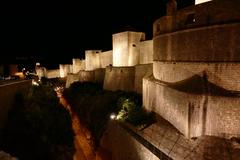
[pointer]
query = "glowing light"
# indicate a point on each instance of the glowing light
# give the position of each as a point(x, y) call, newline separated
point(112, 116)
point(201, 1)
point(34, 83)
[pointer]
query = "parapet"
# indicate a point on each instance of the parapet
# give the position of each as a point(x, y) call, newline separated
point(204, 14)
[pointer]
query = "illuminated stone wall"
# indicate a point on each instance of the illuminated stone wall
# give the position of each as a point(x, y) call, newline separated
point(71, 78)
point(78, 65)
point(106, 58)
point(223, 116)
point(99, 75)
point(65, 69)
point(192, 111)
point(140, 72)
point(123, 146)
point(120, 49)
point(53, 73)
point(202, 15)
point(173, 105)
point(92, 76)
point(225, 75)
point(126, 48)
point(86, 76)
point(7, 95)
point(146, 52)
point(199, 44)
point(96, 76)
point(92, 59)
point(195, 81)
point(119, 78)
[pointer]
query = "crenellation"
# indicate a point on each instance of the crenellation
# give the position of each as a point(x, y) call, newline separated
point(204, 14)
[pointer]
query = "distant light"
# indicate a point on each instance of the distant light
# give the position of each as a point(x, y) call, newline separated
point(112, 116)
point(201, 1)
point(34, 83)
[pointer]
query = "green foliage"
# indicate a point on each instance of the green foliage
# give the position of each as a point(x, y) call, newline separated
point(94, 106)
point(39, 127)
point(131, 110)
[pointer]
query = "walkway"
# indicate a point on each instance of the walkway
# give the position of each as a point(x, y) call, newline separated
point(84, 151)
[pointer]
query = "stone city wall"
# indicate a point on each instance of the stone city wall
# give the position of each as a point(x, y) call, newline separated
point(199, 44)
point(95, 76)
point(78, 65)
point(92, 59)
point(106, 59)
point(146, 52)
point(223, 116)
point(126, 48)
point(99, 75)
point(7, 96)
point(119, 78)
point(140, 72)
point(53, 73)
point(65, 69)
point(126, 78)
point(195, 107)
point(205, 14)
point(71, 78)
point(225, 75)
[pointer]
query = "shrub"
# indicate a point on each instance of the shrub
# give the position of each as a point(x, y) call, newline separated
point(131, 110)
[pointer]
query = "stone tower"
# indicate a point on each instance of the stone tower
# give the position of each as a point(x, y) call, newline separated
point(126, 48)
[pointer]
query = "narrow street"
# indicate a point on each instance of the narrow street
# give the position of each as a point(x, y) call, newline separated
point(84, 151)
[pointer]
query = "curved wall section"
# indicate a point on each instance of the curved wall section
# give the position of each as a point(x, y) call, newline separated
point(199, 44)
point(140, 72)
point(225, 75)
point(174, 106)
point(193, 113)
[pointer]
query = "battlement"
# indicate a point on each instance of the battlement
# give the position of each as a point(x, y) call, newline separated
point(204, 14)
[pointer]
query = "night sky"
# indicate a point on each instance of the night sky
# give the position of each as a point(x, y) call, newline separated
point(39, 31)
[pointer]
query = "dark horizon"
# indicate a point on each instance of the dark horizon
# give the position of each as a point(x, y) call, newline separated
point(57, 32)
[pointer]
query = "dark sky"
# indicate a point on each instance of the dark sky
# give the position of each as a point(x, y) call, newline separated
point(42, 30)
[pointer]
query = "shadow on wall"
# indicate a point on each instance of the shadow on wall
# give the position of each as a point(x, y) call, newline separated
point(199, 84)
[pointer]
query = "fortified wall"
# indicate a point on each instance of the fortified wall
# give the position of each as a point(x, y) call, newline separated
point(92, 69)
point(195, 81)
point(132, 60)
point(188, 75)
point(78, 65)
point(123, 68)
point(8, 93)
